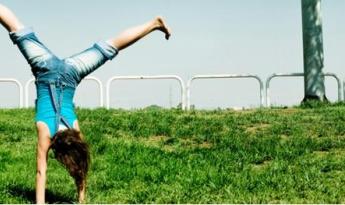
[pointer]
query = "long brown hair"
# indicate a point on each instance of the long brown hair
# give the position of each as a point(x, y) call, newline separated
point(72, 152)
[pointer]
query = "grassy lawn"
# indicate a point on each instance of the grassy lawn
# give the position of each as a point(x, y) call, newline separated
point(294, 155)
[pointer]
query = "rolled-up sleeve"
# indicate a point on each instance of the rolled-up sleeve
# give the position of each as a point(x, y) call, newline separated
point(107, 50)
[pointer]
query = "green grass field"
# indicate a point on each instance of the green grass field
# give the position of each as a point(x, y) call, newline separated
point(294, 155)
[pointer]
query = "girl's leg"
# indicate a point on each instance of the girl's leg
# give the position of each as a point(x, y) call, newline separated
point(131, 35)
point(9, 20)
point(89, 60)
point(32, 49)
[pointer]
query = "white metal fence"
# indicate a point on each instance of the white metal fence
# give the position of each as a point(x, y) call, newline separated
point(276, 75)
point(264, 90)
point(27, 85)
point(18, 84)
point(100, 88)
point(154, 77)
point(261, 90)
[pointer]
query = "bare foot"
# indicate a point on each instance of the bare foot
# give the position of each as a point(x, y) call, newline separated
point(162, 26)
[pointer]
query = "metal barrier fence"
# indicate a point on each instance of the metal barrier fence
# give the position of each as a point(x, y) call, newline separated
point(27, 85)
point(275, 75)
point(155, 77)
point(89, 78)
point(100, 88)
point(20, 87)
point(262, 100)
point(185, 91)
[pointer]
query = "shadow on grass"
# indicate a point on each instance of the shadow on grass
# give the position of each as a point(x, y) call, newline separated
point(30, 195)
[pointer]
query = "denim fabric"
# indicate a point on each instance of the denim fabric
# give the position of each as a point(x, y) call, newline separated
point(63, 74)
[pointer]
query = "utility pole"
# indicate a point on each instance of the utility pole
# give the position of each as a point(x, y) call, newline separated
point(314, 85)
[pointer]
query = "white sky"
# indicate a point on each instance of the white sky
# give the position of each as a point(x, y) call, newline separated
point(258, 37)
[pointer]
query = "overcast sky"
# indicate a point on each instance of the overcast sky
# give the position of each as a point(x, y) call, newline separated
point(258, 37)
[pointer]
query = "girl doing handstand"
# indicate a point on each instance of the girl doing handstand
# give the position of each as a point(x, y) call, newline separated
point(56, 82)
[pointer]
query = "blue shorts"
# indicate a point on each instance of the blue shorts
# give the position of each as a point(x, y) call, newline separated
point(46, 66)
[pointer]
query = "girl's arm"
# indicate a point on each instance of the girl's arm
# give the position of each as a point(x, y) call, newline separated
point(43, 144)
point(9, 20)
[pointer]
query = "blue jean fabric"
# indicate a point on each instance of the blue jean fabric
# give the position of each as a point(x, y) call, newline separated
point(58, 78)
